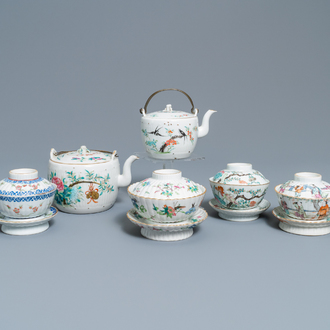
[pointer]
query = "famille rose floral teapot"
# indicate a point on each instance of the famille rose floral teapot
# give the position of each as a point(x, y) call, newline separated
point(87, 180)
point(171, 134)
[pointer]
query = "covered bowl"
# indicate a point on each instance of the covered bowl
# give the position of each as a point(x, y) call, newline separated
point(166, 196)
point(25, 195)
point(239, 186)
point(306, 197)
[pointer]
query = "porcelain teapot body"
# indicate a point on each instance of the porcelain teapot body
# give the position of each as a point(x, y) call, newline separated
point(87, 180)
point(171, 134)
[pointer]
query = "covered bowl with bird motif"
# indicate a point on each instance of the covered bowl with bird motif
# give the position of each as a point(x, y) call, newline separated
point(166, 197)
point(239, 186)
point(306, 197)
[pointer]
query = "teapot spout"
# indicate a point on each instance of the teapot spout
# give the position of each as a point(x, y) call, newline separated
point(204, 128)
point(126, 178)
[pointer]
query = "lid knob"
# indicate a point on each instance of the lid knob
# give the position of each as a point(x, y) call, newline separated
point(168, 108)
point(23, 174)
point(308, 177)
point(167, 174)
point(83, 150)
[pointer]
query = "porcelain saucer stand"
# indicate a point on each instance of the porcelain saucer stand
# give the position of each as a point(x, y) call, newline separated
point(239, 215)
point(30, 226)
point(167, 232)
point(301, 227)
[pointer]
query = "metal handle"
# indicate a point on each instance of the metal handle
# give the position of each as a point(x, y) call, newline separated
point(144, 110)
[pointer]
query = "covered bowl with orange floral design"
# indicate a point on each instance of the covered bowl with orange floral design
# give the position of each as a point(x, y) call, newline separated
point(306, 197)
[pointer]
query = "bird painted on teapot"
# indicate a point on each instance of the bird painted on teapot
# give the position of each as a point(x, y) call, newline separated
point(172, 134)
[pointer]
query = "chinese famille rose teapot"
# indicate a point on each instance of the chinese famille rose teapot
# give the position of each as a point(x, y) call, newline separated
point(171, 134)
point(87, 180)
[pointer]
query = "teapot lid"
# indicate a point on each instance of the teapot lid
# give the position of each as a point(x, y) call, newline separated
point(82, 156)
point(169, 113)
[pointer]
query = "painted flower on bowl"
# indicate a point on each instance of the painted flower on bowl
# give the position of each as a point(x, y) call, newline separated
point(58, 182)
point(170, 142)
point(17, 209)
point(169, 211)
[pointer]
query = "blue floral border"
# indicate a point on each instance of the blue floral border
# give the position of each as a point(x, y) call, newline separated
point(23, 182)
point(27, 199)
point(27, 193)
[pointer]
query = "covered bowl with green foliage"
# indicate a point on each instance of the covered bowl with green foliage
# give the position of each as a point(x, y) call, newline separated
point(166, 197)
point(239, 186)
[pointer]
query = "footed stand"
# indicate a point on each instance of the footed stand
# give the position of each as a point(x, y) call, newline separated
point(167, 232)
point(24, 230)
point(30, 226)
point(166, 236)
point(298, 229)
point(301, 227)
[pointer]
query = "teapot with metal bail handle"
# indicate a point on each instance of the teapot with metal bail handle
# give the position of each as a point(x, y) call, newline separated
point(172, 134)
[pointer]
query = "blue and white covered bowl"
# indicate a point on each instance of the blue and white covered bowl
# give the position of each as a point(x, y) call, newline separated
point(25, 195)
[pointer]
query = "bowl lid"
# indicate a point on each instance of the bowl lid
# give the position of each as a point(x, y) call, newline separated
point(166, 184)
point(169, 113)
point(240, 174)
point(25, 182)
point(82, 156)
point(305, 185)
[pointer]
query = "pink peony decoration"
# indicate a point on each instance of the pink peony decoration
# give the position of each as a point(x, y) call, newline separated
point(58, 182)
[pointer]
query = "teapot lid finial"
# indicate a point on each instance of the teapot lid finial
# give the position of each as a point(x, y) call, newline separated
point(83, 150)
point(168, 108)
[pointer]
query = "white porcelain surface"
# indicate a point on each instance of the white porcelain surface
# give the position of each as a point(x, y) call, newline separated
point(306, 197)
point(305, 185)
point(301, 227)
point(239, 186)
point(166, 196)
point(87, 180)
point(172, 134)
point(25, 195)
point(167, 231)
point(239, 174)
point(239, 215)
point(30, 226)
